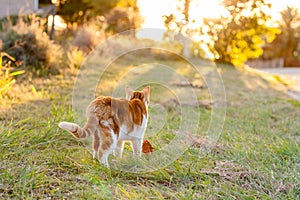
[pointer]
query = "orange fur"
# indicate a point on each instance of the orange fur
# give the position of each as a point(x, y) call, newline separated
point(147, 147)
point(112, 121)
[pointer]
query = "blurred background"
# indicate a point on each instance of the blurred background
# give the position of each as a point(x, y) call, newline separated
point(261, 33)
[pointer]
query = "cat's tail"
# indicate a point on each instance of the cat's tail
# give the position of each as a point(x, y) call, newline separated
point(78, 132)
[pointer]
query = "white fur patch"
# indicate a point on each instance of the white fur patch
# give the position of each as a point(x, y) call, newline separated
point(106, 123)
point(137, 133)
point(67, 126)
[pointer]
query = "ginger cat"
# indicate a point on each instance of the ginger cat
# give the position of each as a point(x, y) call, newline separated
point(112, 121)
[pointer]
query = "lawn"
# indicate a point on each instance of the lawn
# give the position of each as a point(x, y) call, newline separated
point(256, 156)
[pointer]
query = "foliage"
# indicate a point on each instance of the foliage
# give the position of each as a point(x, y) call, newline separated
point(119, 15)
point(179, 23)
point(101, 7)
point(286, 44)
point(6, 77)
point(123, 19)
point(240, 34)
point(31, 46)
point(197, 50)
point(72, 10)
point(88, 35)
point(45, 1)
point(8, 21)
point(75, 57)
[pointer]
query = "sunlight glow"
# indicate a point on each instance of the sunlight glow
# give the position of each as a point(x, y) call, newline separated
point(279, 5)
point(58, 21)
point(204, 8)
point(153, 10)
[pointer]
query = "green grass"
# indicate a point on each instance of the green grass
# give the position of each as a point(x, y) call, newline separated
point(256, 157)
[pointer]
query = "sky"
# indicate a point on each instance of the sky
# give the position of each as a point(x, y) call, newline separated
point(153, 10)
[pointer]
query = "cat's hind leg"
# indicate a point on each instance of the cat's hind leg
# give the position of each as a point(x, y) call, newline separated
point(103, 157)
point(136, 145)
point(96, 143)
point(119, 149)
point(108, 143)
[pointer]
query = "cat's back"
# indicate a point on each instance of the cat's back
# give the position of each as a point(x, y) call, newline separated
point(106, 107)
point(101, 106)
point(120, 110)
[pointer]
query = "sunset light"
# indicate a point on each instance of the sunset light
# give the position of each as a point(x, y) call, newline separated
point(152, 11)
point(149, 99)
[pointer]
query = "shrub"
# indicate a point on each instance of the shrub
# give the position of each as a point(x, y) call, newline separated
point(29, 44)
point(88, 36)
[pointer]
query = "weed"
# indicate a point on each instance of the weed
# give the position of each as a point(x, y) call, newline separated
point(6, 77)
point(75, 57)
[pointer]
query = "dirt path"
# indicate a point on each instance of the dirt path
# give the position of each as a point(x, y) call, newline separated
point(292, 74)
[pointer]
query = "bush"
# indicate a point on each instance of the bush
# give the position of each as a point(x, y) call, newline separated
point(88, 36)
point(31, 46)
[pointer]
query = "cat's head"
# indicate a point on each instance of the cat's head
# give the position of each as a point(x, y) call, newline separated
point(143, 95)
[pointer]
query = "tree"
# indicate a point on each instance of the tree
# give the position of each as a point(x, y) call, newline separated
point(179, 23)
point(125, 16)
point(72, 11)
point(286, 44)
point(239, 34)
point(120, 15)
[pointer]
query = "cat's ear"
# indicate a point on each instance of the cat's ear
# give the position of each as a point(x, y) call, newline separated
point(129, 92)
point(146, 92)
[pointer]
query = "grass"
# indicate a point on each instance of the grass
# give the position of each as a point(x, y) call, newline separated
point(256, 157)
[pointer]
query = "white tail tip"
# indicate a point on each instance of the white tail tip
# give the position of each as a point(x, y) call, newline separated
point(67, 126)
